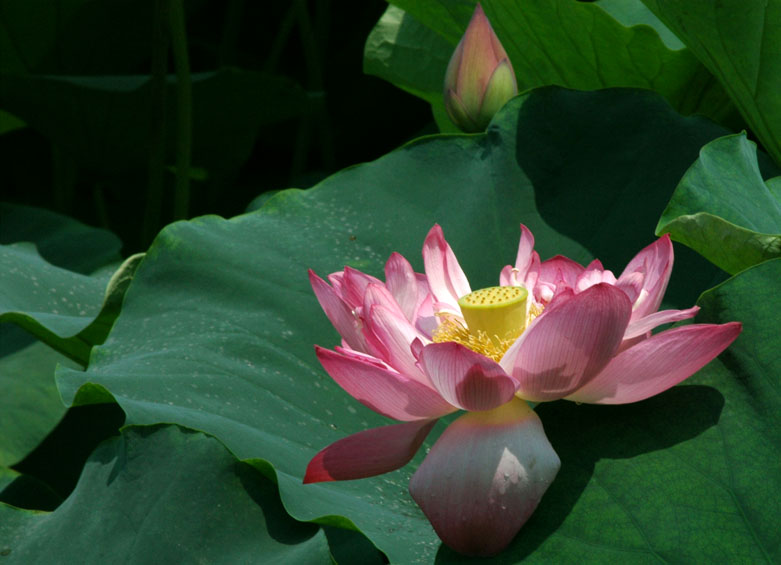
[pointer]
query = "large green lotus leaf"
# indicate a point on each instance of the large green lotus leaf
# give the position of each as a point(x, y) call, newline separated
point(61, 241)
point(103, 122)
point(579, 45)
point(68, 311)
point(218, 326)
point(7, 476)
point(163, 495)
point(114, 293)
point(740, 43)
point(30, 405)
point(53, 304)
point(724, 210)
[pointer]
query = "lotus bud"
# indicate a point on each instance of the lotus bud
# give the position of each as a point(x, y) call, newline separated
point(479, 78)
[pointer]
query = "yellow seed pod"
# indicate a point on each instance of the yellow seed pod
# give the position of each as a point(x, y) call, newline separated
point(498, 311)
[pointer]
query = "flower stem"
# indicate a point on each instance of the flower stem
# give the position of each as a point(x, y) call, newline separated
point(157, 118)
point(183, 109)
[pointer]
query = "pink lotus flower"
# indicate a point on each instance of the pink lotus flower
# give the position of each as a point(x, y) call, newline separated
point(418, 347)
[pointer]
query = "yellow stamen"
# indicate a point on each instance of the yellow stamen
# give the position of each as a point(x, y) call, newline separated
point(494, 316)
point(450, 329)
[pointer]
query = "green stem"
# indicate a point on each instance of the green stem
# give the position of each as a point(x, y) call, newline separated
point(230, 33)
point(183, 109)
point(280, 39)
point(156, 168)
point(322, 19)
point(312, 44)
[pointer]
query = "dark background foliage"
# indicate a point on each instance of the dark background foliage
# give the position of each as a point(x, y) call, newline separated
point(319, 112)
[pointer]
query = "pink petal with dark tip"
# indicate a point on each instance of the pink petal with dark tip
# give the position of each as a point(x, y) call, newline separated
point(368, 453)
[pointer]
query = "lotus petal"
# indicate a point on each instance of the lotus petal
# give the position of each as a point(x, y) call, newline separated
point(657, 363)
point(484, 477)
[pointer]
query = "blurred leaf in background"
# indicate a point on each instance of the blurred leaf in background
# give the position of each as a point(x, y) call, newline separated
point(740, 43)
point(278, 99)
point(584, 46)
point(104, 123)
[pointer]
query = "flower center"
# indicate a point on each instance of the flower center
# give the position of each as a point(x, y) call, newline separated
point(498, 311)
point(494, 316)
